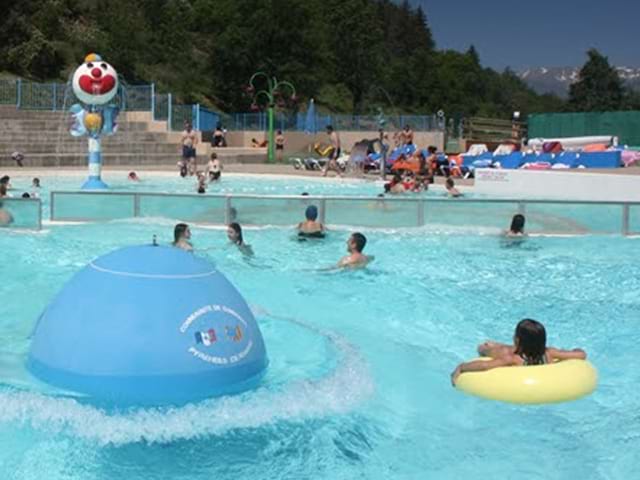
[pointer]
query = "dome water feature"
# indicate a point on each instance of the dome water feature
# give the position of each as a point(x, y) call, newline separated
point(148, 325)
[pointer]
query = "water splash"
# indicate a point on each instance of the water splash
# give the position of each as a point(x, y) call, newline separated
point(337, 393)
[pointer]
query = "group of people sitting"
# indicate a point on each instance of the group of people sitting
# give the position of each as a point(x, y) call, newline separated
point(428, 162)
point(408, 182)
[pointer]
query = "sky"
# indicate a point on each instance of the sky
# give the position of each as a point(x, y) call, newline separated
point(550, 33)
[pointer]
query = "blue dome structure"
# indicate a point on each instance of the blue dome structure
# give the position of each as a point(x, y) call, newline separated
point(148, 325)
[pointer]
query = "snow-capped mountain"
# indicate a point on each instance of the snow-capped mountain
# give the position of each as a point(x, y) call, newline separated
point(557, 79)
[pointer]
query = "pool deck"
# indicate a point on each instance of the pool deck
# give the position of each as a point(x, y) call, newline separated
point(262, 169)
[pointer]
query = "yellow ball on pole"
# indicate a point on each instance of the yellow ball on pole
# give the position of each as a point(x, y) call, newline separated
point(93, 122)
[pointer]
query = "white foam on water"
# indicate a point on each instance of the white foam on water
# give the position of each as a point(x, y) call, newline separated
point(339, 392)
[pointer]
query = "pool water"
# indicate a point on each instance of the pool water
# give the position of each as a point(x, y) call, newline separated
point(358, 385)
point(229, 184)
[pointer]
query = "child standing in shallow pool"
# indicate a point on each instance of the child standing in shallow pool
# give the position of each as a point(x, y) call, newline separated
point(529, 348)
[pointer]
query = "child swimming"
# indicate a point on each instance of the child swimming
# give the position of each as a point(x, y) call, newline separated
point(517, 226)
point(529, 348)
point(234, 234)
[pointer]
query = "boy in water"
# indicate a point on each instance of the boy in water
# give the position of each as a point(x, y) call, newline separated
point(355, 246)
point(214, 168)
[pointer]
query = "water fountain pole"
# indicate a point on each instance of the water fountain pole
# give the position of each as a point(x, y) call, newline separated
point(269, 93)
point(95, 84)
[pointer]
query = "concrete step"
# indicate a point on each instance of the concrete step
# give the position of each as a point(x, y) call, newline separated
point(13, 113)
point(131, 159)
point(13, 125)
point(239, 151)
point(15, 138)
point(81, 147)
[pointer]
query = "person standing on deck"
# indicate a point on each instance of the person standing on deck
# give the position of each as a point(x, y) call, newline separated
point(332, 164)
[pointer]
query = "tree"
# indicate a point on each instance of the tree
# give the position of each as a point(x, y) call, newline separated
point(599, 87)
point(352, 56)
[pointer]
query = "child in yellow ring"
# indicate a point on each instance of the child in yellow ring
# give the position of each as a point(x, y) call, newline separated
point(529, 348)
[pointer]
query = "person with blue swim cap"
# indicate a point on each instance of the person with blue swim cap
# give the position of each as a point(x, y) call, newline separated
point(311, 228)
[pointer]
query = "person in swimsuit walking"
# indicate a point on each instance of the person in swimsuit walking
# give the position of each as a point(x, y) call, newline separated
point(189, 142)
point(332, 163)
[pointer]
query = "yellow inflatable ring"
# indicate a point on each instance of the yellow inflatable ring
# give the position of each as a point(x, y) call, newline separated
point(558, 382)
point(323, 151)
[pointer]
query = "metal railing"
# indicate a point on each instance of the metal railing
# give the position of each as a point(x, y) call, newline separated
point(22, 213)
point(29, 95)
point(543, 216)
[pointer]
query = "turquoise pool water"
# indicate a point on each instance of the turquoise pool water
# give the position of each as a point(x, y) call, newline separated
point(230, 183)
point(437, 212)
point(358, 385)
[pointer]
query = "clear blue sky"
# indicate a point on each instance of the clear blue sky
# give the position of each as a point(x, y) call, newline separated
point(551, 33)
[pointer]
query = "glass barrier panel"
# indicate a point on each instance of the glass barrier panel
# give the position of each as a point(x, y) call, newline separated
point(187, 208)
point(458, 215)
point(270, 211)
point(20, 213)
point(634, 219)
point(78, 206)
point(373, 212)
point(573, 219)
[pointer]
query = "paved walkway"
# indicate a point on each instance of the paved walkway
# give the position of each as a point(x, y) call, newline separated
point(268, 169)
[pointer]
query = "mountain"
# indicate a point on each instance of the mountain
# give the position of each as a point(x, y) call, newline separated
point(557, 79)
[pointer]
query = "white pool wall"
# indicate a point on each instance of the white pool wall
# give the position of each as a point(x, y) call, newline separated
point(558, 185)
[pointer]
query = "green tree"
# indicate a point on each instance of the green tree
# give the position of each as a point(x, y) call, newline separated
point(352, 56)
point(599, 88)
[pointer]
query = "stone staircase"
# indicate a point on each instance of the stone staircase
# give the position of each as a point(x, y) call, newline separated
point(44, 140)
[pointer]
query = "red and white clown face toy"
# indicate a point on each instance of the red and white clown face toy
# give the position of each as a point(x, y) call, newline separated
point(95, 82)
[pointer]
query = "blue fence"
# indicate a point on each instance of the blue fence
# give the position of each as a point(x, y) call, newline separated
point(29, 95)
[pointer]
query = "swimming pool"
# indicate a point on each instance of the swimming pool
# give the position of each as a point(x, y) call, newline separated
point(230, 183)
point(358, 385)
point(277, 200)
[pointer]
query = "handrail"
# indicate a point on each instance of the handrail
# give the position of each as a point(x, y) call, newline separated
point(221, 209)
point(360, 198)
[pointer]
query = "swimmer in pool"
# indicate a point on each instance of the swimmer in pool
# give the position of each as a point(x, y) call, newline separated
point(234, 234)
point(182, 237)
point(311, 228)
point(517, 226)
point(355, 246)
point(5, 216)
point(529, 348)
